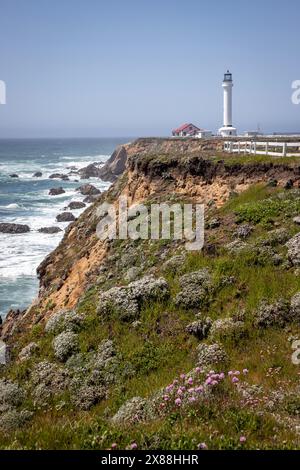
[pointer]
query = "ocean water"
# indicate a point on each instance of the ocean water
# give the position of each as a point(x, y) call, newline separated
point(25, 200)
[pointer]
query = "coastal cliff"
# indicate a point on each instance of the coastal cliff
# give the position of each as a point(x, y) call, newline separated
point(129, 339)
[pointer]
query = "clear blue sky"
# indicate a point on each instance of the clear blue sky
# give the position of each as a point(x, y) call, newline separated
point(128, 68)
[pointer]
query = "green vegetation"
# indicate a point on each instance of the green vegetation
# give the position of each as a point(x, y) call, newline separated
point(156, 350)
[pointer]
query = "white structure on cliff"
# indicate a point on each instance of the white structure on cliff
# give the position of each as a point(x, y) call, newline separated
point(227, 130)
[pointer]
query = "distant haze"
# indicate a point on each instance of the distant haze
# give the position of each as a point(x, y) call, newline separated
point(127, 68)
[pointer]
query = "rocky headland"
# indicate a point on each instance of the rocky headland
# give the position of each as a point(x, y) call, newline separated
point(142, 342)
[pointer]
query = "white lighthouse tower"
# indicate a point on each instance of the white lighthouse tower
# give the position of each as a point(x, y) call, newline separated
point(227, 130)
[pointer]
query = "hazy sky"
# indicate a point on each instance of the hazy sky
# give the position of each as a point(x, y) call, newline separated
point(129, 68)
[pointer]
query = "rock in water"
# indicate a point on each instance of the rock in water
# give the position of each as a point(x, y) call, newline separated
point(14, 175)
point(90, 171)
point(14, 228)
point(65, 217)
point(37, 174)
point(56, 191)
point(59, 176)
point(88, 190)
point(76, 205)
point(50, 230)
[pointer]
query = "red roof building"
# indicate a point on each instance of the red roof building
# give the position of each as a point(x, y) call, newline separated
point(186, 130)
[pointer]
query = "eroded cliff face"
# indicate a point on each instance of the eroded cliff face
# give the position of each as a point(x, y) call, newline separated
point(118, 323)
point(156, 169)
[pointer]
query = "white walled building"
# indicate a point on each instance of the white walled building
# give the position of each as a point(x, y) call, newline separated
point(227, 130)
point(190, 130)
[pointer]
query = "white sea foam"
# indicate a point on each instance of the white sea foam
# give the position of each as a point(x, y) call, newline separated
point(21, 254)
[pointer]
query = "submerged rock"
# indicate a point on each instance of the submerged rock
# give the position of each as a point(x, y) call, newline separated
point(14, 175)
point(60, 176)
point(37, 174)
point(65, 217)
point(56, 191)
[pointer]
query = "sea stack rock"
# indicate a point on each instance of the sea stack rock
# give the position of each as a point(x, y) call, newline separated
point(14, 228)
point(65, 217)
point(90, 171)
point(115, 166)
point(56, 191)
point(76, 205)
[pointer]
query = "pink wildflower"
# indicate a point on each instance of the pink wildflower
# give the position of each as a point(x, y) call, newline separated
point(199, 389)
point(182, 376)
point(202, 446)
point(243, 439)
point(133, 446)
point(178, 402)
point(234, 380)
point(245, 371)
point(113, 446)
